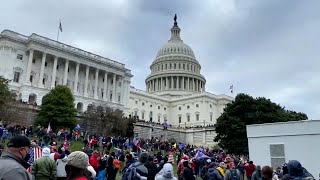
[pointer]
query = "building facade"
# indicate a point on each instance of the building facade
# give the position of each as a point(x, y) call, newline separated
point(175, 89)
point(36, 64)
point(275, 143)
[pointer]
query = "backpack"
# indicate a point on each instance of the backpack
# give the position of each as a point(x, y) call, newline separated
point(131, 173)
point(234, 175)
point(101, 175)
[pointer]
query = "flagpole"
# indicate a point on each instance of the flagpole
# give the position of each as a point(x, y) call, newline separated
point(58, 30)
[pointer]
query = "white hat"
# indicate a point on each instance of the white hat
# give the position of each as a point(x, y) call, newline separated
point(208, 161)
point(46, 152)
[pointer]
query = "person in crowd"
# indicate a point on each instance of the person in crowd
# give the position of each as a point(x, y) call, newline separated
point(232, 173)
point(152, 168)
point(187, 173)
point(249, 168)
point(94, 160)
point(129, 160)
point(204, 169)
point(1, 149)
point(44, 168)
point(139, 167)
point(166, 173)
point(296, 171)
point(61, 172)
point(266, 173)
point(213, 172)
point(110, 167)
point(256, 175)
point(14, 161)
point(222, 168)
point(76, 167)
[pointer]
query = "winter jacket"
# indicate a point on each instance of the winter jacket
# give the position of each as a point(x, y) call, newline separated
point(12, 167)
point(213, 174)
point(166, 173)
point(44, 168)
point(257, 173)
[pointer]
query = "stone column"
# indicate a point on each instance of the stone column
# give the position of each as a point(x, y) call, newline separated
point(122, 90)
point(188, 84)
point(167, 83)
point(76, 78)
point(65, 77)
point(114, 94)
point(54, 72)
point(172, 84)
point(95, 95)
point(86, 81)
point(193, 84)
point(105, 87)
point(182, 82)
point(28, 72)
point(43, 62)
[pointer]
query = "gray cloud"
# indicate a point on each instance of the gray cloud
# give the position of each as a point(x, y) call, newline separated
point(264, 47)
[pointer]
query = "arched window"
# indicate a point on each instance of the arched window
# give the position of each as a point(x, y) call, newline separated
point(32, 98)
point(80, 107)
point(150, 116)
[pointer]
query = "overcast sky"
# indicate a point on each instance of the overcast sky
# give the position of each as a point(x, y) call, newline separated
point(267, 48)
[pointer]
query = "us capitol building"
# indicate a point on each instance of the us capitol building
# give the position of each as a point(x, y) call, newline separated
point(175, 89)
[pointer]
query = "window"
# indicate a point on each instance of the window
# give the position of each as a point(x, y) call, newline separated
point(210, 117)
point(165, 108)
point(166, 66)
point(68, 69)
point(170, 66)
point(197, 105)
point(142, 115)
point(159, 118)
point(136, 113)
point(111, 96)
point(19, 56)
point(184, 66)
point(102, 79)
point(55, 83)
point(188, 107)
point(136, 102)
point(33, 61)
point(175, 66)
point(45, 64)
point(210, 105)
point(158, 107)
point(180, 119)
point(150, 105)
point(119, 98)
point(277, 154)
point(119, 84)
point(179, 108)
point(197, 117)
point(31, 78)
point(44, 81)
point(188, 118)
point(16, 77)
point(57, 67)
point(142, 103)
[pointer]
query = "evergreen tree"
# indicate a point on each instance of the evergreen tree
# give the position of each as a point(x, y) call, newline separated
point(246, 110)
point(58, 108)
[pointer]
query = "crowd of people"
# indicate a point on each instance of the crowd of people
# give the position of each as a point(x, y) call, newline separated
point(110, 158)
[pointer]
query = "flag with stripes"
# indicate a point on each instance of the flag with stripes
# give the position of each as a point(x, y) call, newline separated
point(231, 88)
point(35, 153)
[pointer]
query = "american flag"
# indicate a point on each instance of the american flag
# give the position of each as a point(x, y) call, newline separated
point(35, 153)
point(231, 88)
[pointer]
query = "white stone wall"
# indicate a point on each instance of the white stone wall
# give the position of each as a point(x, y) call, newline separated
point(300, 139)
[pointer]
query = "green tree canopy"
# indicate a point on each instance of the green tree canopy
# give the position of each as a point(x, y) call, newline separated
point(108, 121)
point(246, 110)
point(58, 108)
point(5, 94)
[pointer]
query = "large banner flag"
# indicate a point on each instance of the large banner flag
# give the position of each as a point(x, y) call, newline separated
point(49, 128)
point(35, 153)
point(201, 155)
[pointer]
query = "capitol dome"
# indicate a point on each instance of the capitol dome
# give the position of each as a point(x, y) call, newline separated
point(175, 70)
